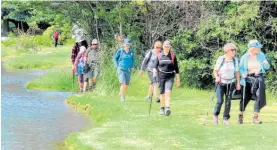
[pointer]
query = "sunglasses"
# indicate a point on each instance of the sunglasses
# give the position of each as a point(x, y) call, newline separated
point(94, 44)
point(158, 47)
point(233, 50)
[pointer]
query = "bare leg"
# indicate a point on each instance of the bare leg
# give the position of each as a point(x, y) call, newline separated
point(167, 98)
point(162, 97)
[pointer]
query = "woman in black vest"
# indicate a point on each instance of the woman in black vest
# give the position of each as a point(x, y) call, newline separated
point(167, 68)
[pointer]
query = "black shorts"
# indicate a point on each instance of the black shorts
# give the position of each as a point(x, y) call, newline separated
point(166, 84)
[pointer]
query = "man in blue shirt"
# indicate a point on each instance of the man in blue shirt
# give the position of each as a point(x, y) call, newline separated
point(124, 62)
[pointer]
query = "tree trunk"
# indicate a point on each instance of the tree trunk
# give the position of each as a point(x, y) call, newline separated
point(5, 28)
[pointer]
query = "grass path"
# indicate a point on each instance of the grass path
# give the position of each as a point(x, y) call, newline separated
point(128, 126)
point(46, 59)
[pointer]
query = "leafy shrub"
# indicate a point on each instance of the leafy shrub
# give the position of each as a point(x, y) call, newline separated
point(25, 42)
point(271, 76)
point(108, 80)
point(196, 73)
point(65, 32)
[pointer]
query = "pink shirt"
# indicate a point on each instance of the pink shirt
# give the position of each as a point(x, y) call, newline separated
point(253, 65)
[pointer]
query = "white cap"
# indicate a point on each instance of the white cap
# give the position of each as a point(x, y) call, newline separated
point(82, 49)
point(94, 41)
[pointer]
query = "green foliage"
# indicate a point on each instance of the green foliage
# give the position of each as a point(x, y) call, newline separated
point(108, 80)
point(26, 43)
point(196, 73)
point(65, 32)
point(271, 76)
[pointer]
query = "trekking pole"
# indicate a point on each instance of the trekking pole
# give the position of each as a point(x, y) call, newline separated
point(151, 98)
point(72, 90)
point(243, 97)
point(204, 121)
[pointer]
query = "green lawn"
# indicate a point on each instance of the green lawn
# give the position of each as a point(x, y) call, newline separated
point(45, 59)
point(127, 125)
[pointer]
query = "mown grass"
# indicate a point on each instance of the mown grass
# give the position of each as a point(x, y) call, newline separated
point(45, 59)
point(128, 126)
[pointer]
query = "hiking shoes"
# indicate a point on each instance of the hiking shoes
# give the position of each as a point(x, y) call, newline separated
point(240, 119)
point(80, 90)
point(122, 99)
point(90, 88)
point(226, 122)
point(162, 111)
point(215, 121)
point(157, 100)
point(148, 98)
point(167, 111)
point(256, 120)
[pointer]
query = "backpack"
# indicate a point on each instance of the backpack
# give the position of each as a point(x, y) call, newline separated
point(150, 55)
point(223, 61)
point(172, 56)
point(236, 95)
point(56, 35)
point(121, 53)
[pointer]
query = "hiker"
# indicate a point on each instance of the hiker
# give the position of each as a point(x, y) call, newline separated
point(124, 61)
point(76, 48)
point(253, 65)
point(226, 73)
point(92, 65)
point(166, 69)
point(79, 67)
point(149, 63)
point(56, 37)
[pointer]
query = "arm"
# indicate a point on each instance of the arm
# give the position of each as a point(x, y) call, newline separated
point(73, 54)
point(265, 63)
point(86, 55)
point(176, 68)
point(133, 60)
point(242, 70)
point(216, 68)
point(115, 58)
point(237, 74)
point(77, 58)
point(145, 61)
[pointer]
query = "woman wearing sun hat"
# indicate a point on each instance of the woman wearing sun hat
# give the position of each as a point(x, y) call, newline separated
point(253, 65)
point(124, 61)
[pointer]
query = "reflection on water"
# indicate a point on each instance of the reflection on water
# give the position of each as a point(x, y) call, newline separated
point(34, 119)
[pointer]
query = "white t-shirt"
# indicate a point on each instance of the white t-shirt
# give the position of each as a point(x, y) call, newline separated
point(227, 71)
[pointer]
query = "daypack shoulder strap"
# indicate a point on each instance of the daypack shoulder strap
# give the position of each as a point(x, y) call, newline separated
point(172, 57)
point(234, 62)
point(159, 56)
point(222, 63)
point(121, 53)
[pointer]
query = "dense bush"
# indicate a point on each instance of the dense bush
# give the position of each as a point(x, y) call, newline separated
point(196, 73)
point(271, 76)
point(25, 42)
point(65, 33)
point(107, 82)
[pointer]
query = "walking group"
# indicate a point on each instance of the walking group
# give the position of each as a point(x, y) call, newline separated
point(232, 74)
